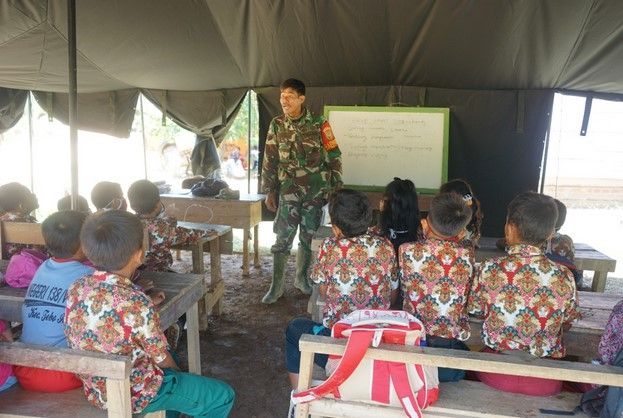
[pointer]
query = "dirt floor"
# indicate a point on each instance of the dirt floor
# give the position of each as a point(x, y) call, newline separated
point(245, 346)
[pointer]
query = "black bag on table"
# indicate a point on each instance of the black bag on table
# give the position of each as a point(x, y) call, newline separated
point(208, 188)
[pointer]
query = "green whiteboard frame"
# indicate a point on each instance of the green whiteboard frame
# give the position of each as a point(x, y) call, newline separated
point(446, 134)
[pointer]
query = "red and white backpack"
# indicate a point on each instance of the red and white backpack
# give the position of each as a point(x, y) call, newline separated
point(354, 378)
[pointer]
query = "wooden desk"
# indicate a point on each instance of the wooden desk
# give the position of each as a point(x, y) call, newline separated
point(182, 291)
point(215, 290)
point(586, 258)
point(244, 213)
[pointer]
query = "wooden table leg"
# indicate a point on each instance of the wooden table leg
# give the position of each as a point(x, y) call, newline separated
point(192, 336)
point(199, 268)
point(245, 252)
point(599, 281)
point(215, 272)
point(256, 246)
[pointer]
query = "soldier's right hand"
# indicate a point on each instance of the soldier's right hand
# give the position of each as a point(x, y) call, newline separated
point(271, 201)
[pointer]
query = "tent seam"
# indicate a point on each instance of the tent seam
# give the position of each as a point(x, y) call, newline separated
point(87, 59)
point(8, 41)
point(575, 44)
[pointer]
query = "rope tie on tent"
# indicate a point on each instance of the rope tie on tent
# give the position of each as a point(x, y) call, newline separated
point(587, 115)
point(112, 98)
point(164, 109)
point(49, 99)
point(223, 109)
point(421, 96)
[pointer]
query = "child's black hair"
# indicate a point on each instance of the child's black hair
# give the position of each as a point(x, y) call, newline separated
point(562, 214)
point(534, 215)
point(64, 203)
point(350, 211)
point(12, 195)
point(400, 212)
point(143, 196)
point(110, 238)
point(61, 232)
point(294, 84)
point(104, 193)
point(464, 189)
point(448, 214)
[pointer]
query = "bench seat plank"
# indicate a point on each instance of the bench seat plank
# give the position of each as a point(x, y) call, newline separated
point(458, 399)
point(521, 364)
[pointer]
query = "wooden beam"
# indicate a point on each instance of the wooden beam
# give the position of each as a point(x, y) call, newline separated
point(66, 360)
point(517, 365)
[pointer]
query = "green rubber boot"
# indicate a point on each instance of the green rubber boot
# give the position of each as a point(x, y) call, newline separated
point(303, 261)
point(276, 287)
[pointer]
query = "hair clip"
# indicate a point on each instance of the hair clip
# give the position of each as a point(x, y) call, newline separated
point(467, 197)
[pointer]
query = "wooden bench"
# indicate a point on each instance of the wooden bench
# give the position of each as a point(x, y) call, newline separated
point(464, 398)
point(215, 289)
point(17, 402)
point(20, 233)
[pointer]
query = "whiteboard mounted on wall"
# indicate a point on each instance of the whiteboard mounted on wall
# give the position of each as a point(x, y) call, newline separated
point(380, 143)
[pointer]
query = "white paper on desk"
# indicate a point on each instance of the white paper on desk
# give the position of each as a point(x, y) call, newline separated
point(325, 218)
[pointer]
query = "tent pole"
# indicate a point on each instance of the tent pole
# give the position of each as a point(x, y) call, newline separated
point(32, 176)
point(545, 152)
point(73, 100)
point(144, 137)
point(249, 143)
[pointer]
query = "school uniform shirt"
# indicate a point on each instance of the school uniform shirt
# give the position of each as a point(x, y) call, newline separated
point(436, 277)
point(612, 339)
point(12, 249)
point(525, 299)
point(359, 272)
point(163, 234)
point(108, 313)
point(43, 311)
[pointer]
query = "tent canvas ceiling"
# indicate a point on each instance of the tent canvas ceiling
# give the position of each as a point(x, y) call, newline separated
point(222, 44)
point(495, 63)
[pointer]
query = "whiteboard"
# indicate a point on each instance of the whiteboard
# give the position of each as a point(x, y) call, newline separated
point(380, 143)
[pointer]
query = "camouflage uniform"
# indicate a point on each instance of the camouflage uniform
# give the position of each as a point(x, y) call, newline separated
point(302, 164)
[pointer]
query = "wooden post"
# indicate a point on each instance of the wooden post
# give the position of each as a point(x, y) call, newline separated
point(118, 398)
point(599, 281)
point(215, 272)
point(256, 246)
point(192, 334)
point(245, 252)
point(305, 378)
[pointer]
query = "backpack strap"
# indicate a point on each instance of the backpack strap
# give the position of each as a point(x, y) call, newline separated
point(358, 343)
point(400, 380)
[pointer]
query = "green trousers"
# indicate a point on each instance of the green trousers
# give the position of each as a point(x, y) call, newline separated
point(193, 395)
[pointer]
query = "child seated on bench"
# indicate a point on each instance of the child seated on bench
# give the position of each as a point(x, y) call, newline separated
point(7, 379)
point(463, 189)
point(436, 276)
point(108, 195)
point(107, 313)
point(64, 203)
point(560, 247)
point(526, 299)
point(16, 204)
point(355, 270)
point(162, 229)
point(44, 306)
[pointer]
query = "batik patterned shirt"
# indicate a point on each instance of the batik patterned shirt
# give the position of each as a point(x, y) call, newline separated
point(436, 276)
point(612, 340)
point(525, 300)
point(107, 313)
point(11, 249)
point(164, 233)
point(359, 272)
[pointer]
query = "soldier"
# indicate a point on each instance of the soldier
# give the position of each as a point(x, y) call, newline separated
point(301, 166)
